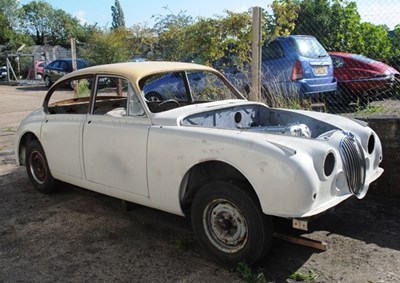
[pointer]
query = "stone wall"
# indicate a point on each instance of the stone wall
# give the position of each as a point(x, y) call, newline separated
point(388, 130)
point(51, 52)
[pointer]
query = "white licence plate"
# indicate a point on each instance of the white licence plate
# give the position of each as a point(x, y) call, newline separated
point(321, 70)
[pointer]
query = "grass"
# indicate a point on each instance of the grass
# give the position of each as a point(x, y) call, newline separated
point(82, 89)
point(2, 148)
point(9, 130)
point(304, 277)
point(370, 109)
point(248, 275)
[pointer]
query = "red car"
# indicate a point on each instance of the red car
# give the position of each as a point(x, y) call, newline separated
point(360, 77)
point(39, 66)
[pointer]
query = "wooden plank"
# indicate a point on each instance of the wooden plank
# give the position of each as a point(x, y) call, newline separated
point(319, 245)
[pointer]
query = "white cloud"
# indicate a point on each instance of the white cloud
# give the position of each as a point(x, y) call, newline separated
point(80, 15)
point(386, 12)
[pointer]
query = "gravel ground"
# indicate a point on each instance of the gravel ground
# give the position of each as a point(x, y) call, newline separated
point(76, 235)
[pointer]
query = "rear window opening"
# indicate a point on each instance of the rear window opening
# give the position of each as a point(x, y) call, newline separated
point(310, 47)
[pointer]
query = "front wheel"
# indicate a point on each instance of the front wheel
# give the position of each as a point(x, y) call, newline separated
point(38, 169)
point(47, 81)
point(229, 224)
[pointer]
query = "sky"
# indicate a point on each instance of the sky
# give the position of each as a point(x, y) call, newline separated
point(141, 12)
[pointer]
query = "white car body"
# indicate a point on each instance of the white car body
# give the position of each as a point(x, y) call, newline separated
point(294, 161)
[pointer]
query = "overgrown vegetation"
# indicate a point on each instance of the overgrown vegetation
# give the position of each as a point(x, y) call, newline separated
point(370, 109)
point(248, 275)
point(9, 129)
point(178, 36)
point(304, 277)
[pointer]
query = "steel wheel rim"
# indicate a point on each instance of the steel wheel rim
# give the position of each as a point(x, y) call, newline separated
point(37, 167)
point(225, 226)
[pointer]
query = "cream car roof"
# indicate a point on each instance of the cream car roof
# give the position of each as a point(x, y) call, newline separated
point(137, 70)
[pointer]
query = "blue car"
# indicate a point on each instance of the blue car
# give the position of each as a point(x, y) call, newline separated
point(58, 68)
point(292, 66)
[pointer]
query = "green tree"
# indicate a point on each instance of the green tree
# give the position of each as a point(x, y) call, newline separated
point(5, 29)
point(107, 46)
point(10, 30)
point(45, 23)
point(142, 41)
point(283, 18)
point(62, 26)
point(395, 41)
point(118, 18)
point(314, 19)
point(344, 30)
point(12, 12)
point(36, 19)
point(169, 30)
point(375, 41)
point(231, 37)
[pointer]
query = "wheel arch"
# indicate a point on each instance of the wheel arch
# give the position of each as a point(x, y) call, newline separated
point(203, 173)
point(24, 141)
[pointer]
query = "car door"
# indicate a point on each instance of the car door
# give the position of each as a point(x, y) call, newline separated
point(276, 65)
point(61, 132)
point(115, 138)
point(54, 68)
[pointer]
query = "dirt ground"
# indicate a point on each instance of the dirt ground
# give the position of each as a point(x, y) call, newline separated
point(76, 235)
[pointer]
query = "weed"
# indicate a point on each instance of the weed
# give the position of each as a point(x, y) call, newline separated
point(304, 277)
point(370, 109)
point(9, 129)
point(2, 148)
point(83, 89)
point(246, 273)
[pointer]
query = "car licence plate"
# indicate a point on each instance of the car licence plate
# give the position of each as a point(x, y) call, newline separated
point(321, 70)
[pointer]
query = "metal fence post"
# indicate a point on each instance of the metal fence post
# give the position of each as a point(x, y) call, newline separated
point(256, 55)
point(73, 53)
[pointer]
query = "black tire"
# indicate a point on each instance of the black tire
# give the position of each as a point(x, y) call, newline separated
point(47, 81)
point(71, 85)
point(38, 168)
point(229, 224)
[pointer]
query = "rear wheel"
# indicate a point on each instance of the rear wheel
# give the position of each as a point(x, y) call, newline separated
point(229, 223)
point(38, 169)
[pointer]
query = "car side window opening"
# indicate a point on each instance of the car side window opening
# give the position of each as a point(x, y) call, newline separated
point(310, 47)
point(70, 97)
point(135, 107)
point(272, 51)
point(111, 96)
point(166, 91)
point(337, 62)
point(63, 66)
point(207, 86)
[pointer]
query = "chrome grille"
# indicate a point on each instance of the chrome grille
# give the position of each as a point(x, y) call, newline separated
point(354, 163)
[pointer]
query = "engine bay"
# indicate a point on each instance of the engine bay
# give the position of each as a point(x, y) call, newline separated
point(259, 118)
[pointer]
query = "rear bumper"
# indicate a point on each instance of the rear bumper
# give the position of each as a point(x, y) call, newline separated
point(368, 84)
point(312, 89)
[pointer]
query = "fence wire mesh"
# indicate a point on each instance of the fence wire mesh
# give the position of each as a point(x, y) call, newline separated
point(329, 55)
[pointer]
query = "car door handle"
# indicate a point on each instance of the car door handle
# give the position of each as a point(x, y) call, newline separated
point(90, 121)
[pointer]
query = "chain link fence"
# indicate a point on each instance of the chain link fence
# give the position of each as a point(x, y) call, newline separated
point(334, 56)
